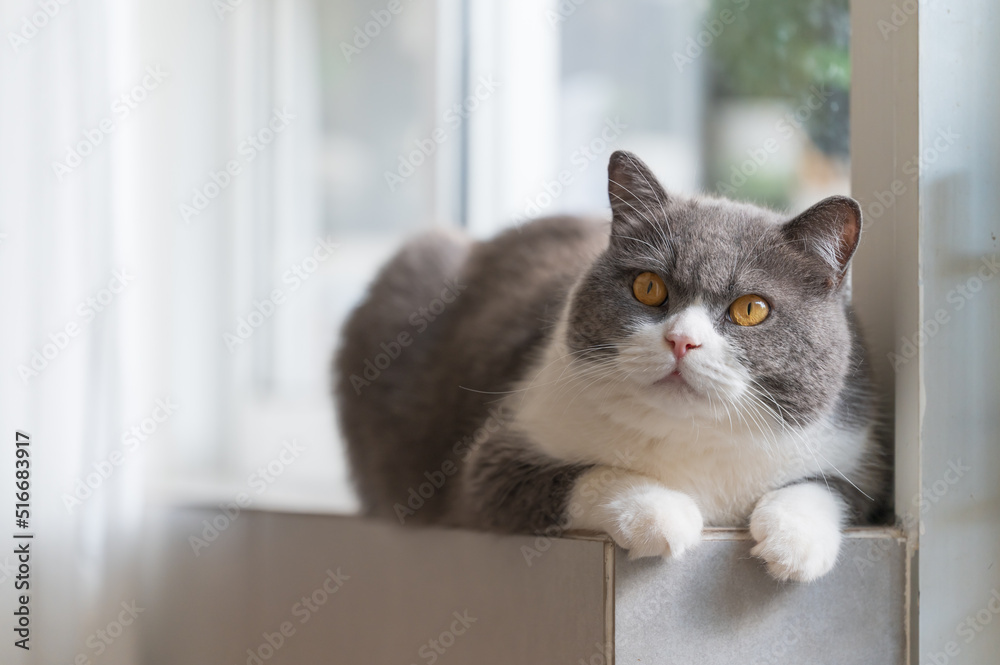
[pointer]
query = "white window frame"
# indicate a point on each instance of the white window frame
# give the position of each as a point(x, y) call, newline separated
point(918, 70)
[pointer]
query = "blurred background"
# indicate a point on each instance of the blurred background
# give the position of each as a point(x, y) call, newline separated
point(194, 194)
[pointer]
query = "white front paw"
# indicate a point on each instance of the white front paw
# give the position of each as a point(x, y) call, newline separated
point(797, 530)
point(649, 520)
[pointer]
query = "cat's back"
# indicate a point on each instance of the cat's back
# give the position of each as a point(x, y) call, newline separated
point(517, 285)
point(447, 326)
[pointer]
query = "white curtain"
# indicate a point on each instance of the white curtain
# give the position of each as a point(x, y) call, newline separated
point(75, 371)
point(114, 299)
point(110, 112)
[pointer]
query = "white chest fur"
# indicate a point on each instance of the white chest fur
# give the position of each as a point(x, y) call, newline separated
point(725, 465)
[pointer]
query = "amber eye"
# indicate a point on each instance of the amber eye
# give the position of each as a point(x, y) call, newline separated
point(649, 289)
point(749, 310)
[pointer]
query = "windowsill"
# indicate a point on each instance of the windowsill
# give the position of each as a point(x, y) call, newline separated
point(536, 599)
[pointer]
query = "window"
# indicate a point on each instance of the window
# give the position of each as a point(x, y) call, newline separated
point(392, 133)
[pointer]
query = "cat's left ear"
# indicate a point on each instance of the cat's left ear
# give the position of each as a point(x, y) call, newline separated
point(637, 197)
point(829, 230)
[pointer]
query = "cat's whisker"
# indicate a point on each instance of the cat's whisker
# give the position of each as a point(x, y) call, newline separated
point(724, 403)
point(663, 209)
point(614, 372)
point(580, 381)
point(712, 405)
point(532, 384)
point(814, 452)
point(798, 438)
point(616, 383)
point(841, 474)
point(584, 351)
point(637, 198)
point(589, 374)
point(648, 244)
point(668, 244)
point(749, 412)
point(764, 392)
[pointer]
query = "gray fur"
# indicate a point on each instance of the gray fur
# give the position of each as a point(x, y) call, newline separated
point(513, 488)
point(414, 417)
point(428, 410)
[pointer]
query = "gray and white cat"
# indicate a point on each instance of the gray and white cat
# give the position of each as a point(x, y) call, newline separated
point(696, 362)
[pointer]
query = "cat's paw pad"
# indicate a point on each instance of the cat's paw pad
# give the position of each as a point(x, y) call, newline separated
point(654, 521)
point(797, 530)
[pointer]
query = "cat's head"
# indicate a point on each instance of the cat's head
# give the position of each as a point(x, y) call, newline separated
point(701, 306)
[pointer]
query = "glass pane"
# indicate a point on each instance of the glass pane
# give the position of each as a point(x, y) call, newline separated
point(377, 96)
point(740, 99)
point(779, 86)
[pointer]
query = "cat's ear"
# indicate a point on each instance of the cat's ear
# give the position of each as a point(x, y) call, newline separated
point(637, 197)
point(829, 230)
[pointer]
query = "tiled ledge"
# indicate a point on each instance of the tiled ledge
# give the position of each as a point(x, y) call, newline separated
point(393, 595)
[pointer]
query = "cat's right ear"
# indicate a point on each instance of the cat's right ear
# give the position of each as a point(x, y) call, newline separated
point(637, 197)
point(829, 230)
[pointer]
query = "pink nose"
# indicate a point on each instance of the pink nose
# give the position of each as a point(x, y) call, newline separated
point(680, 344)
